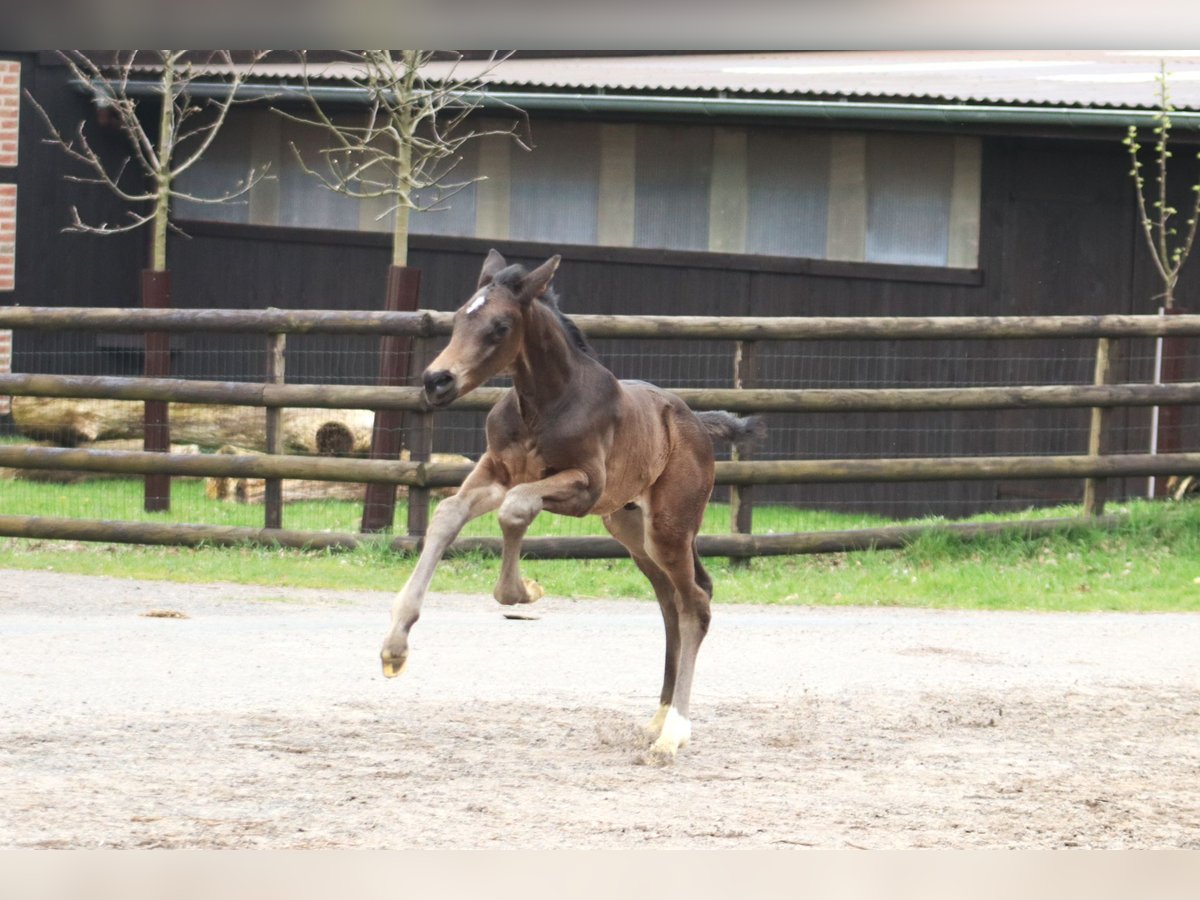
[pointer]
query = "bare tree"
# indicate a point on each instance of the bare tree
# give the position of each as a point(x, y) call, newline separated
point(407, 147)
point(404, 150)
point(187, 126)
point(186, 129)
point(1169, 248)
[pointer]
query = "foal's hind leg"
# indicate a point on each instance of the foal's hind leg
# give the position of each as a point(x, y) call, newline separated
point(675, 510)
point(627, 526)
point(673, 553)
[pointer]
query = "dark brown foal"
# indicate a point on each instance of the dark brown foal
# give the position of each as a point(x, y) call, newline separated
point(572, 439)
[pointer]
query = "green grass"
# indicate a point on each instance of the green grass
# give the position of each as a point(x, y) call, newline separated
point(1150, 562)
point(122, 499)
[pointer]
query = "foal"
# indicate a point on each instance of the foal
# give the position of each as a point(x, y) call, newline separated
point(572, 439)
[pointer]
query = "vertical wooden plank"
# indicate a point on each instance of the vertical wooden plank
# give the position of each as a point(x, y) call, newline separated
point(741, 497)
point(965, 199)
point(1094, 488)
point(492, 197)
point(846, 234)
point(728, 198)
point(618, 173)
point(273, 496)
point(403, 291)
point(266, 150)
point(156, 294)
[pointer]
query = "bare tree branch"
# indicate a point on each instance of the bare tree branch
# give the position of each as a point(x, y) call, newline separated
point(408, 140)
point(1168, 251)
point(187, 131)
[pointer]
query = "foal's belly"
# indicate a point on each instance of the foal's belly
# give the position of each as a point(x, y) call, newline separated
point(635, 456)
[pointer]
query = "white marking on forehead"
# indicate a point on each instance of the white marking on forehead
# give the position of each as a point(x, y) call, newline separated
point(480, 299)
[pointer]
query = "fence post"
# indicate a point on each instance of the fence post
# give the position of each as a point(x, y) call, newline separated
point(379, 504)
point(420, 447)
point(156, 363)
point(273, 496)
point(1095, 489)
point(741, 497)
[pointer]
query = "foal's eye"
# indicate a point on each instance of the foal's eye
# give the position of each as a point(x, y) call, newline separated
point(499, 331)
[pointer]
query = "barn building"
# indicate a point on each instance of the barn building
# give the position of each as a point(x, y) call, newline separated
point(810, 183)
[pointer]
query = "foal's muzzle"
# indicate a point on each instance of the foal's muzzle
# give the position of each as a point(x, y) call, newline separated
point(440, 387)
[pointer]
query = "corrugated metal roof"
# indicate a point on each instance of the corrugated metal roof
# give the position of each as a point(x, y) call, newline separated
point(1117, 79)
point(1101, 79)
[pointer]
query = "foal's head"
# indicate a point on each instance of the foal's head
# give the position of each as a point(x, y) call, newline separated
point(488, 328)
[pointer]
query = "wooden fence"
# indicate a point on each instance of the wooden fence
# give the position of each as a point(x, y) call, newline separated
point(420, 475)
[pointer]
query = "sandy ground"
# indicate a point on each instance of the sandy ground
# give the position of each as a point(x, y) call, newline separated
point(261, 720)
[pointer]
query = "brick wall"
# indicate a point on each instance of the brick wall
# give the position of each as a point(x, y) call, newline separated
point(8, 236)
point(10, 107)
point(8, 261)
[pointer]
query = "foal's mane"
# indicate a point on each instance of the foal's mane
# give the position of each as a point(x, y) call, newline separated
point(511, 278)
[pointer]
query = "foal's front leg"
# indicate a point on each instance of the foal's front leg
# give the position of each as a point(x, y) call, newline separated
point(479, 494)
point(570, 492)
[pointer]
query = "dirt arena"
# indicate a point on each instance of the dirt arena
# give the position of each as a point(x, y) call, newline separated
point(261, 720)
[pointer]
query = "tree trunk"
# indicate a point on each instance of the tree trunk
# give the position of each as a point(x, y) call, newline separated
point(254, 490)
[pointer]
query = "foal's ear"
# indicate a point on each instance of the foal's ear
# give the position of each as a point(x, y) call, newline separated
point(538, 281)
point(493, 264)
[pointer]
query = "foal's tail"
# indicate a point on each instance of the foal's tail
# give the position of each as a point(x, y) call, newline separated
point(742, 431)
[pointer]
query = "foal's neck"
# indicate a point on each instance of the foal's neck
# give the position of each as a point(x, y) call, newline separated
point(545, 364)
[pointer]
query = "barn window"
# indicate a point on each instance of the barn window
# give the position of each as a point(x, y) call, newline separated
point(787, 192)
point(555, 186)
point(673, 170)
point(875, 197)
point(908, 182)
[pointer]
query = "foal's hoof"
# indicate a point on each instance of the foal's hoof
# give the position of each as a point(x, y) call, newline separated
point(657, 758)
point(530, 592)
point(393, 666)
point(674, 731)
point(391, 670)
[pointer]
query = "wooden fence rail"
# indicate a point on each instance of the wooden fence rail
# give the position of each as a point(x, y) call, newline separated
point(316, 396)
point(428, 323)
point(744, 472)
point(588, 547)
point(420, 475)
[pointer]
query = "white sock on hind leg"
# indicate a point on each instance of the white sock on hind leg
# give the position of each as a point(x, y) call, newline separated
point(676, 732)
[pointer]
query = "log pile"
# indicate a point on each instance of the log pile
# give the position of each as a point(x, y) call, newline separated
point(72, 422)
point(239, 430)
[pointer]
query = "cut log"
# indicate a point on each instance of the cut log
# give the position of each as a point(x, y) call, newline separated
point(72, 422)
point(254, 490)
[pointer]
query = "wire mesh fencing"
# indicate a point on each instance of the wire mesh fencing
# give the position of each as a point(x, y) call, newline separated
point(340, 359)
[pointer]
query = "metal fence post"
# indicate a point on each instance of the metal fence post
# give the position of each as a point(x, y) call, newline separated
point(273, 496)
point(1095, 489)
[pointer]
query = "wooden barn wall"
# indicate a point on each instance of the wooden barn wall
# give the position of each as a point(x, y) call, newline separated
point(1057, 236)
